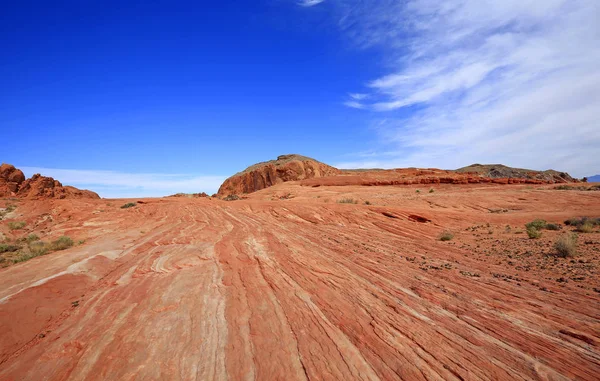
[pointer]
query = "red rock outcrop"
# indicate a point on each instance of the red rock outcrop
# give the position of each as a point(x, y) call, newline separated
point(413, 176)
point(14, 184)
point(39, 186)
point(266, 174)
point(10, 179)
point(313, 173)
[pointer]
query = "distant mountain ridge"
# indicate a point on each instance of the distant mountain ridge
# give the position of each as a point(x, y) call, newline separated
point(502, 171)
point(594, 179)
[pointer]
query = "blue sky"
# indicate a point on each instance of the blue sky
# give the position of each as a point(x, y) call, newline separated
point(153, 98)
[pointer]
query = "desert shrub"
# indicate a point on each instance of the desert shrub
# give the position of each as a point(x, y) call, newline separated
point(347, 201)
point(231, 197)
point(566, 245)
point(577, 222)
point(553, 227)
point(6, 210)
point(533, 233)
point(446, 236)
point(537, 224)
point(62, 243)
point(16, 225)
point(418, 191)
point(367, 202)
point(129, 205)
point(6, 248)
point(32, 238)
point(586, 227)
point(563, 187)
point(573, 221)
point(431, 190)
point(38, 248)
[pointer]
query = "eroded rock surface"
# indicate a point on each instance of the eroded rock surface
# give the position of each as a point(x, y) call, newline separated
point(10, 180)
point(306, 288)
point(266, 174)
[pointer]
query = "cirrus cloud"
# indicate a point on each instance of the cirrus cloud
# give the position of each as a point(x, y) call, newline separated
point(513, 81)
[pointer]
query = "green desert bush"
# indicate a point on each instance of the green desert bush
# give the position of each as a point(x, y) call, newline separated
point(32, 238)
point(7, 248)
point(16, 225)
point(128, 205)
point(62, 243)
point(566, 245)
point(533, 233)
point(446, 236)
point(347, 201)
point(553, 227)
point(538, 224)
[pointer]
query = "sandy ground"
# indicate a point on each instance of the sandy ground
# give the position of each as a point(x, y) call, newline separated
point(289, 284)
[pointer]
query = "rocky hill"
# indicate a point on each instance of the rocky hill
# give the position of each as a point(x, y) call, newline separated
point(14, 184)
point(495, 171)
point(266, 174)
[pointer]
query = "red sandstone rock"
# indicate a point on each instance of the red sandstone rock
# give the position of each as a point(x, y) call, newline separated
point(285, 168)
point(305, 288)
point(10, 179)
point(14, 184)
point(39, 186)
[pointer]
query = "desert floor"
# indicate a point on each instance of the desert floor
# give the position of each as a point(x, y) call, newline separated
point(291, 284)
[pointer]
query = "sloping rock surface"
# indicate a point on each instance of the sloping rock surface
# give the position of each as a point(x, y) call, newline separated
point(266, 174)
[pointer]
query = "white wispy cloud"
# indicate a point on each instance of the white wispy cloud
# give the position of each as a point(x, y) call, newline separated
point(310, 3)
point(513, 81)
point(358, 96)
point(355, 104)
point(112, 184)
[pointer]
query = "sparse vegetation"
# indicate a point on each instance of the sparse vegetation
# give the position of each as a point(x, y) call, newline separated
point(533, 233)
point(38, 248)
point(347, 201)
point(129, 205)
point(586, 227)
point(431, 190)
point(446, 236)
point(7, 248)
point(418, 191)
point(538, 224)
point(231, 197)
point(62, 243)
point(368, 203)
point(583, 224)
point(32, 238)
point(566, 245)
point(16, 225)
point(9, 208)
point(579, 187)
point(553, 227)
point(534, 228)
